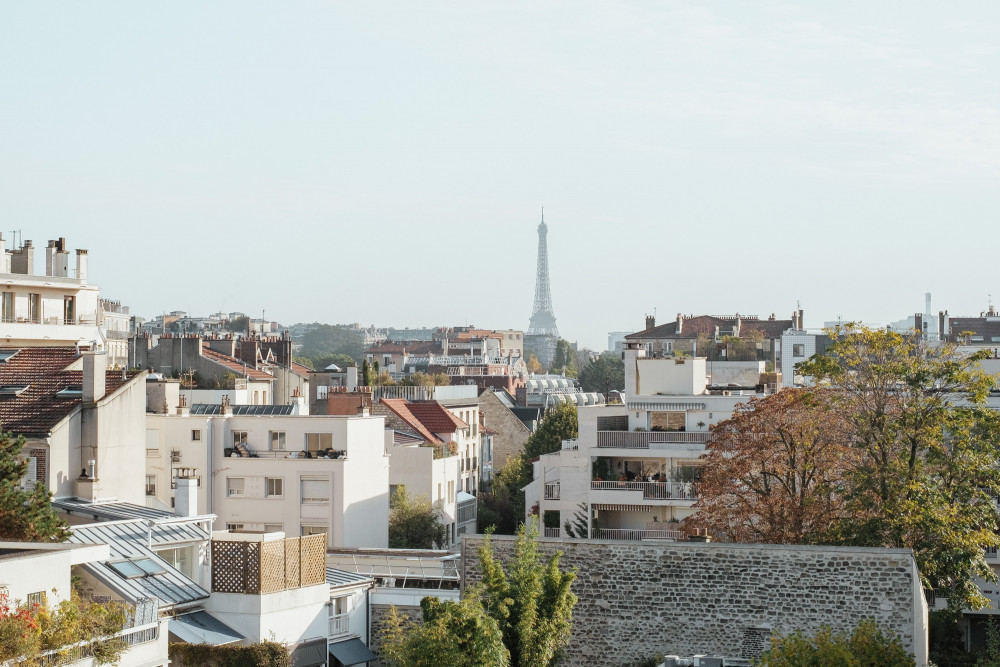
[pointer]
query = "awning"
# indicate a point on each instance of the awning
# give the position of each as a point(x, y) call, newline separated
point(352, 652)
point(310, 654)
point(201, 628)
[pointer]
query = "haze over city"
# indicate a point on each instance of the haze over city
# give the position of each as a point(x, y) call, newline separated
point(347, 162)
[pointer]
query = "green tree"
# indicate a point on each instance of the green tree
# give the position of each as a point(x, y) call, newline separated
point(927, 447)
point(327, 339)
point(564, 360)
point(25, 516)
point(369, 374)
point(503, 508)
point(339, 360)
point(304, 361)
point(531, 600)
point(413, 522)
point(560, 423)
point(452, 633)
point(866, 646)
point(604, 374)
point(578, 526)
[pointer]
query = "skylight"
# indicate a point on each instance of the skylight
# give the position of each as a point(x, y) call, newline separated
point(70, 391)
point(5, 355)
point(137, 567)
point(7, 390)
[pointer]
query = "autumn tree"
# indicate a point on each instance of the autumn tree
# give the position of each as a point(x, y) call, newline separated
point(774, 472)
point(25, 515)
point(865, 646)
point(926, 447)
point(533, 364)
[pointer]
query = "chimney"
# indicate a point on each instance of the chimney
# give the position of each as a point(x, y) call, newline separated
point(941, 323)
point(650, 321)
point(186, 495)
point(60, 265)
point(800, 325)
point(918, 322)
point(352, 378)
point(81, 265)
point(23, 259)
point(95, 367)
point(50, 256)
point(680, 323)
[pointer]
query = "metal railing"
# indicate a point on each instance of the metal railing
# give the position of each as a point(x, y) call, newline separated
point(643, 439)
point(552, 490)
point(651, 490)
point(635, 534)
point(551, 532)
point(340, 625)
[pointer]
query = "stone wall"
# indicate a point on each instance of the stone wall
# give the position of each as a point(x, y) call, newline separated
point(639, 599)
point(510, 432)
point(378, 615)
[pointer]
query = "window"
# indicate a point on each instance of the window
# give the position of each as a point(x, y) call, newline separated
point(69, 310)
point(150, 485)
point(180, 559)
point(34, 307)
point(275, 487)
point(38, 598)
point(319, 441)
point(234, 526)
point(238, 437)
point(235, 486)
point(798, 350)
point(451, 492)
point(31, 476)
point(274, 527)
point(315, 490)
point(8, 306)
point(11, 390)
point(312, 530)
point(195, 434)
point(277, 439)
point(137, 567)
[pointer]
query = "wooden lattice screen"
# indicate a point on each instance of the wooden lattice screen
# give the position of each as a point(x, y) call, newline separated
point(254, 568)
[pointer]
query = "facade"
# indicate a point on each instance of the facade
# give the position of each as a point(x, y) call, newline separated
point(509, 432)
point(632, 472)
point(305, 474)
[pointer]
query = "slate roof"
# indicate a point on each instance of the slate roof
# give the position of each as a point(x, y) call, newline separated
point(231, 364)
point(706, 324)
point(126, 540)
point(36, 410)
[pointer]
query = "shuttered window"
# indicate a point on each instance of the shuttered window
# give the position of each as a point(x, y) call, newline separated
point(315, 490)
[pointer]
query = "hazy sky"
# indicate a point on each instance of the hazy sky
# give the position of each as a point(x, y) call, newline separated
point(386, 162)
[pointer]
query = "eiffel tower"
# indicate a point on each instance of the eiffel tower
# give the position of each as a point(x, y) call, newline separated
point(542, 334)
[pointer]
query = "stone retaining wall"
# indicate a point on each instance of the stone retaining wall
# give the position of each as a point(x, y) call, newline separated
point(638, 599)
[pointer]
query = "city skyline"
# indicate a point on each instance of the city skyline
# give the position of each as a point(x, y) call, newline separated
point(341, 163)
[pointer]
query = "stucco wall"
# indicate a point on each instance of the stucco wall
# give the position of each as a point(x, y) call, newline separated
point(637, 599)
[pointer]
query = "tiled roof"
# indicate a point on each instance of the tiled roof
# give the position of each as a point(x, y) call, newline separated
point(401, 408)
point(706, 324)
point(299, 369)
point(235, 366)
point(436, 418)
point(36, 410)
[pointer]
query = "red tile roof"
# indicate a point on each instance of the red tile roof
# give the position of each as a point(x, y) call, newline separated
point(706, 324)
point(235, 366)
point(436, 418)
point(36, 410)
point(401, 408)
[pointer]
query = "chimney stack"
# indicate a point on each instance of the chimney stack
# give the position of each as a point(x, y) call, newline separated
point(95, 366)
point(81, 265)
point(650, 321)
point(186, 495)
point(680, 323)
point(22, 260)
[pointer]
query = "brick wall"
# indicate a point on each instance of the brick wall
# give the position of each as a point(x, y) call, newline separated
point(511, 433)
point(637, 599)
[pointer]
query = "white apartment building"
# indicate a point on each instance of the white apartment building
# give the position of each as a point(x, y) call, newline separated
point(633, 469)
point(412, 464)
point(261, 470)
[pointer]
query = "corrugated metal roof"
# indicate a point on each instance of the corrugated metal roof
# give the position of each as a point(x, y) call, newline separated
point(337, 578)
point(110, 511)
point(127, 539)
point(165, 528)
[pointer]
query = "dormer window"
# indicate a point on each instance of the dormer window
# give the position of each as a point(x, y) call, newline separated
point(70, 391)
point(10, 390)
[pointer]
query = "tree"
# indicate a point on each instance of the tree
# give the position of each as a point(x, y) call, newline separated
point(413, 522)
point(775, 471)
point(327, 339)
point(604, 374)
point(560, 423)
point(579, 526)
point(866, 646)
point(531, 601)
point(926, 447)
point(503, 508)
point(305, 361)
point(452, 633)
point(564, 360)
point(25, 516)
point(534, 365)
point(339, 360)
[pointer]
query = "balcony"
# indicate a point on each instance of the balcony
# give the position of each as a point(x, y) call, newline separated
point(552, 490)
point(636, 534)
point(643, 439)
point(339, 626)
point(650, 490)
point(551, 532)
point(253, 566)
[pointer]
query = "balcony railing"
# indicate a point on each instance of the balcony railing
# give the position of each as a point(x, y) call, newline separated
point(990, 553)
point(635, 534)
point(340, 625)
point(651, 490)
point(643, 439)
point(552, 490)
point(551, 532)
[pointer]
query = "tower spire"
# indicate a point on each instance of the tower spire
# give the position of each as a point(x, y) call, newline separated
point(543, 321)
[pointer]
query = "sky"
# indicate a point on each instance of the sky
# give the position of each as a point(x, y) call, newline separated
point(386, 162)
